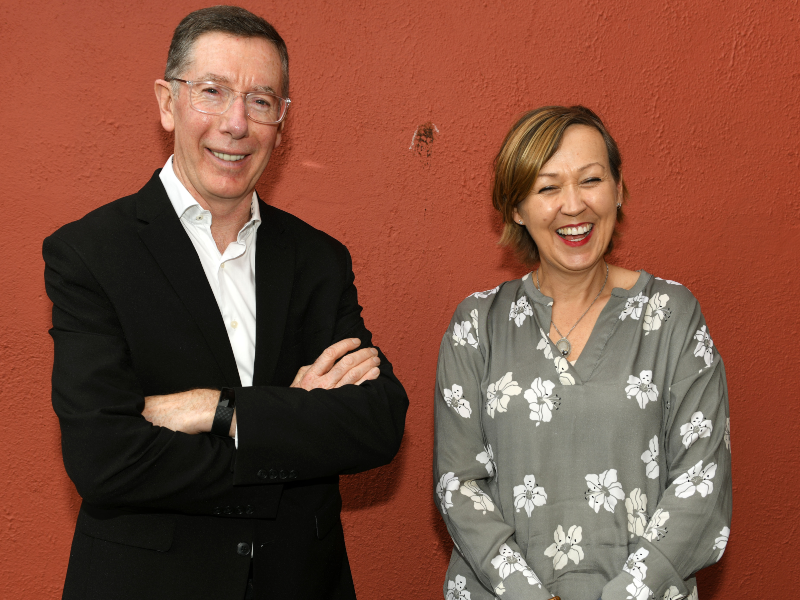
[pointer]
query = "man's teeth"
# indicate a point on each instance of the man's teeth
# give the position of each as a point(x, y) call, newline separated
point(230, 157)
point(583, 229)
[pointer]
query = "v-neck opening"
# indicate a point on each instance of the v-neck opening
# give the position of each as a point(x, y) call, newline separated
point(602, 330)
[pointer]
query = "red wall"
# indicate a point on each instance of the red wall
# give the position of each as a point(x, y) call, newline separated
point(702, 97)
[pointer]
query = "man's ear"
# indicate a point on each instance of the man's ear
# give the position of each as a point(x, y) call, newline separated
point(166, 104)
point(279, 135)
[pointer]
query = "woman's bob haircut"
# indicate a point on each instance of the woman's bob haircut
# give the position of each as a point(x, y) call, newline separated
point(532, 141)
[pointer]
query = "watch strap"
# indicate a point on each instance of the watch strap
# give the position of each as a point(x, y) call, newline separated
point(223, 417)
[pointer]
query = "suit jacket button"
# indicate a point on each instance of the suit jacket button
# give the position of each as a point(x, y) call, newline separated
point(292, 474)
point(249, 510)
point(227, 510)
point(262, 474)
point(240, 510)
point(243, 548)
point(283, 474)
point(273, 474)
point(217, 510)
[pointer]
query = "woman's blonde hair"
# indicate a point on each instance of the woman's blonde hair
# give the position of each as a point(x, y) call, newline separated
point(532, 141)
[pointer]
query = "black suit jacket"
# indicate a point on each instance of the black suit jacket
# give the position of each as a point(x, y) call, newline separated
point(171, 515)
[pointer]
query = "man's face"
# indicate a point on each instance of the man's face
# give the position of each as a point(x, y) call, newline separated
point(201, 140)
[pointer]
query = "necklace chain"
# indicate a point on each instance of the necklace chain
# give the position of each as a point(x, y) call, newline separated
point(563, 344)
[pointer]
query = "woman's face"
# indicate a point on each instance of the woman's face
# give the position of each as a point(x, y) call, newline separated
point(572, 208)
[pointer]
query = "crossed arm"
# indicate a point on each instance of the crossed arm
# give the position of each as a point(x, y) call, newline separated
point(193, 411)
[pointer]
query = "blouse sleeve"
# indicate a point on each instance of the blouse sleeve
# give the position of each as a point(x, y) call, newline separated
point(689, 528)
point(463, 466)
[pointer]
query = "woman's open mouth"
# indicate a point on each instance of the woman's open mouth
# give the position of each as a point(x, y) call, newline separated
point(576, 235)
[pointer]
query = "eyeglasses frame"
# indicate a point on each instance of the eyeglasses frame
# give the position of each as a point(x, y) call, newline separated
point(286, 101)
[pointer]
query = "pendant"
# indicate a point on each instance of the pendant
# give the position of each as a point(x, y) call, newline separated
point(564, 346)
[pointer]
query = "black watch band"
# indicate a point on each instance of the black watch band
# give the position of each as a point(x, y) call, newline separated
point(224, 414)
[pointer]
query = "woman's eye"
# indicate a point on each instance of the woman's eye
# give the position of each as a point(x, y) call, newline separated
point(592, 180)
point(549, 188)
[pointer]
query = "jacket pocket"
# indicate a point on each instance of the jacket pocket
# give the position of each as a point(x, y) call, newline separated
point(142, 530)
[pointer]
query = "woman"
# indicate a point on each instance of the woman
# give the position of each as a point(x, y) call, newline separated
point(582, 431)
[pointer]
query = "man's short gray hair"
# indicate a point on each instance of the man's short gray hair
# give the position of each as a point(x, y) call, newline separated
point(232, 20)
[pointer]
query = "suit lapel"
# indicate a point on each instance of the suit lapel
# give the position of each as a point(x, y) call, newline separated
point(169, 244)
point(274, 279)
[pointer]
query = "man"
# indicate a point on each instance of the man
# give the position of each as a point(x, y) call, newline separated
point(192, 296)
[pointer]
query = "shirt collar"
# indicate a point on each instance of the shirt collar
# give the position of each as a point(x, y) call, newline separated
point(182, 201)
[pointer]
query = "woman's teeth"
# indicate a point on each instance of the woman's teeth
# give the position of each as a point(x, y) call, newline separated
point(229, 157)
point(580, 230)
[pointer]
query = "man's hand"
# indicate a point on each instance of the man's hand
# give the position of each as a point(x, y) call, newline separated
point(193, 411)
point(327, 373)
point(189, 412)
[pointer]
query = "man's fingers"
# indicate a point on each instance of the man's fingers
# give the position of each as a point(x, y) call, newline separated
point(342, 368)
point(331, 354)
point(373, 373)
point(299, 377)
point(355, 374)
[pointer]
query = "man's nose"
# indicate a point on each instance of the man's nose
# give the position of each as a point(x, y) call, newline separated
point(234, 120)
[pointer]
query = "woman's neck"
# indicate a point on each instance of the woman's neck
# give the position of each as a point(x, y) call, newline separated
point(577, 287)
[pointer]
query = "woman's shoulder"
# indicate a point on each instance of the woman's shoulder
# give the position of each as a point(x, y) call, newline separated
point(484, 300)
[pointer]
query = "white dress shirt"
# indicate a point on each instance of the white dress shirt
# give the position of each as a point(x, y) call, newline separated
point(231, 275)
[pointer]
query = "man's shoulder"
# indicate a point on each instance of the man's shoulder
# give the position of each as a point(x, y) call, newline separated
point(109, 221)
point(308, 239)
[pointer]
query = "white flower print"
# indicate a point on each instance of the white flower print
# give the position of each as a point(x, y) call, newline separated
point(655, 313)
point(636, 505)
point(705, 346)
point(544, 345)
point(722, 541)
point(498, 395)
point(693, 595)
point(633, 307)
point(455, 401)
point(508, 561)
point(480, 500)
point(565, 547)
point(694, 430)
point(697, 479)
point(650, 458)
point(448, 483)
point(638, 590)
point(672, 594)
point(519, 310)
point(462, 335)
point(635, 563)
point(487, 293)
point(642, 388)
point(542, 400)
point(456, 589)
point(473, 314)
point(604, 490)
point(487, 458)
point(669, 281)
point(529, 495)
point(500, 589)
point(727, 435)
point(562, 366)
point(656, 528)
point(528, 574)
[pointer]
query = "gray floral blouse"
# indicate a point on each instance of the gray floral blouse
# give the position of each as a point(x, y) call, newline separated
point(607, 477)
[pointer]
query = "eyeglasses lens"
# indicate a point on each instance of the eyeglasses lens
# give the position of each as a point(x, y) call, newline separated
point(215, 100)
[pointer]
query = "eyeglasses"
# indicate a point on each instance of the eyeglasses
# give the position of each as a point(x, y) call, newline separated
point(214, 99)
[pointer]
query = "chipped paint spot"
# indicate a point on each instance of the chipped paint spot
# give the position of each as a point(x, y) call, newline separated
point(423, 138)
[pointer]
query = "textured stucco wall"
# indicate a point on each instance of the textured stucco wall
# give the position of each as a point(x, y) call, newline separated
point(702, 96)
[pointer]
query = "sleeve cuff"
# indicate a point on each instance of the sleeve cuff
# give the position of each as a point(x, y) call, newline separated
point(236, 436)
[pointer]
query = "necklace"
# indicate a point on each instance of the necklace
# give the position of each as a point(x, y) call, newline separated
point(563, 344)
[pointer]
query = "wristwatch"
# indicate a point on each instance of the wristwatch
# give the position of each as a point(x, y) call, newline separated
point(224, 415)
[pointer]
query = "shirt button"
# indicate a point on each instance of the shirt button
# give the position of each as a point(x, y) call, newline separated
point(234, 324)
point(222, 266)
point(243, 548)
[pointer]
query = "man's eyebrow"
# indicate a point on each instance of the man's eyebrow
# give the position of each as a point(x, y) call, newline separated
point(225, 81)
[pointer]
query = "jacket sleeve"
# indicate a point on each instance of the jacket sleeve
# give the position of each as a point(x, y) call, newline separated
point(116, 458)
point(689, 528)
point(291, 433)
point(464, 469)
